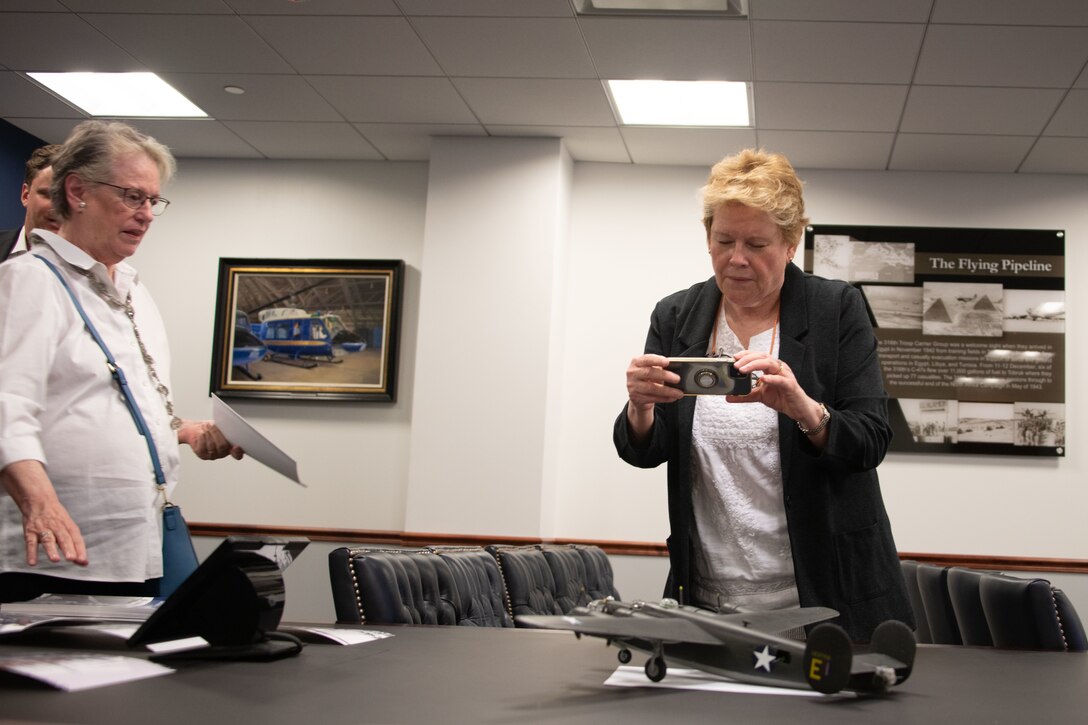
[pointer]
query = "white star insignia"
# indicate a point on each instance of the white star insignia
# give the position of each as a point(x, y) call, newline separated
point(764, 658)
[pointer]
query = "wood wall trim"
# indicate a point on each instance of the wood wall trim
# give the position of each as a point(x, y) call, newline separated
point(619, 548)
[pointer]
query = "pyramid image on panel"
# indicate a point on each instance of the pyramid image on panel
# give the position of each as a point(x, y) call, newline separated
point(985, 304)
point(937, 312)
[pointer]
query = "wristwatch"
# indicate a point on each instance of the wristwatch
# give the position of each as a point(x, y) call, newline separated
point(819, 426)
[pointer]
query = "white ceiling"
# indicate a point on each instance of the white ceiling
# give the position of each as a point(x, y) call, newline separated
point(956, 85)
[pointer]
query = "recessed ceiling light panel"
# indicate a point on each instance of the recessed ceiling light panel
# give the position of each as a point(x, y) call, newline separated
point(120, 95)
point(681, 103)
point(726, 8)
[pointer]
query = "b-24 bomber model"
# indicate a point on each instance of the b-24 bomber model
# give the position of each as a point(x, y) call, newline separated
point(745, 646)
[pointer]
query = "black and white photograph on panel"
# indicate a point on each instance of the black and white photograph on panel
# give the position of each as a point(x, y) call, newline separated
point(986, 423)
point(840, 257)
point(1031, 310)
point(1040, 424)
point(962, 309)
point(895, 306)
point(931, 421)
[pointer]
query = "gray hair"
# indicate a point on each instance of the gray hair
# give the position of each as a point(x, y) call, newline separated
point(93, 148)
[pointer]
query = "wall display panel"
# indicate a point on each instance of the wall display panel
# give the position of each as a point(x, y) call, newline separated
point(313, 329)
point(971, 328)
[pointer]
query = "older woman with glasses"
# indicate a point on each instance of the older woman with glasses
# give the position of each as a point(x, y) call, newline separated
point(82, 510)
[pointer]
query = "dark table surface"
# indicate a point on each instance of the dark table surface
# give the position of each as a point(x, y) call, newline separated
point(469, 675)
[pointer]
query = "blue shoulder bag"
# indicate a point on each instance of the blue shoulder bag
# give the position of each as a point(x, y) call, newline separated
point(178, 555)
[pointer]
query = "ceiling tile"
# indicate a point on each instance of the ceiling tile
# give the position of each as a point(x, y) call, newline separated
point(170, 7)
point(1009, 111)
point(73, 45)
point(835, 52)
point(487, 8)
point(198, 138)
point(1011, 12)
point(347, 45)
point(37, 6)
point(941, 152)
point(267, 98)
point(384, 99)
point(411, 142)
point(672, 48)
point(684, 146)
point(1002, 56)
point(1071, 119)
point(900, 11)
point(185, 138)
point(20, 96)
point(830, 149)
point(537, 101)
point(191, 43)
point(828, 106)
point(507, 47)
point(325, 7)
point(1058, 156)
point(49, 130)
point(583, 143)
point(337, 141)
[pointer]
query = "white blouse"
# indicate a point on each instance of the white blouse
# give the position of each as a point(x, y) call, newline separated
point(742, 546)
point(59, 405)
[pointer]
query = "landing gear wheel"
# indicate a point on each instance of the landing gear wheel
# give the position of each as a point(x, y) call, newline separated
point(655, 669)
point(624, 656)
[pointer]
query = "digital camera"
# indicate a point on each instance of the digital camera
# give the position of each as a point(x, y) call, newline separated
point(709, 376)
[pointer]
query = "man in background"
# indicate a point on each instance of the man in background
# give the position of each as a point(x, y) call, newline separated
point(36, 199)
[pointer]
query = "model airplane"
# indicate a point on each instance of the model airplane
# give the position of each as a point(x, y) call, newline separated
point(745, 646)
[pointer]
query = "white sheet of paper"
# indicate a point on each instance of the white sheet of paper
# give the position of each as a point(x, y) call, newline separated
point(241, 433)
point(340, 636)
point(73, 672)
point(688, 679)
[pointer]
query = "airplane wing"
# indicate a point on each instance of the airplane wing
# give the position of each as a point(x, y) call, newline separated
point(606, 625)
point(779, 620)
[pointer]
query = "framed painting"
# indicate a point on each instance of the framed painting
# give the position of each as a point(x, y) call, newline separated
point(307, 329)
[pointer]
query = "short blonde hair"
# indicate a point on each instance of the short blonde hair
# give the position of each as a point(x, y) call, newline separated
point(761, 180)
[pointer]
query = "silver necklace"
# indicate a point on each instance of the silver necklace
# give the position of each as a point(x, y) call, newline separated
point(103, 291)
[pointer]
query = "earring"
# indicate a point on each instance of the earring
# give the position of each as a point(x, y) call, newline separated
point(82, 205)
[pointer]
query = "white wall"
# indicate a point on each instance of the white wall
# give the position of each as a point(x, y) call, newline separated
point(634, 236)
point(353, 456)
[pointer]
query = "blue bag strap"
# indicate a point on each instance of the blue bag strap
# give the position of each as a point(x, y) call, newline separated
point(117, 373)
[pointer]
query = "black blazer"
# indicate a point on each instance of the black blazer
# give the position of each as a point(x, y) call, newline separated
point(843, 552)
point(8, 238)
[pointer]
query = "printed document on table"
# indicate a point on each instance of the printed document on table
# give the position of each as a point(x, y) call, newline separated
point(241, 433)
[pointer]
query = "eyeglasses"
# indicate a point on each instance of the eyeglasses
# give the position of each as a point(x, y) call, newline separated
point(134, 198)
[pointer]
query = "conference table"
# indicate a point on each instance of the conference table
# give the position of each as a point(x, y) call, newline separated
point(477, 675)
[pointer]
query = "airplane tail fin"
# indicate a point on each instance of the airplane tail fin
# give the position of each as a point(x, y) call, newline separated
point(828, 658)
point(896, 640)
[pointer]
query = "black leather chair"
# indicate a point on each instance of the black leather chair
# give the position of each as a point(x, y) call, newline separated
point(910, 577)
point(600, 582)
point(530, 586)
point(569, 572)
point(1030, 614)
point(963, 589)
point(472, 584)
point(933, 585)
point(383, 586)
